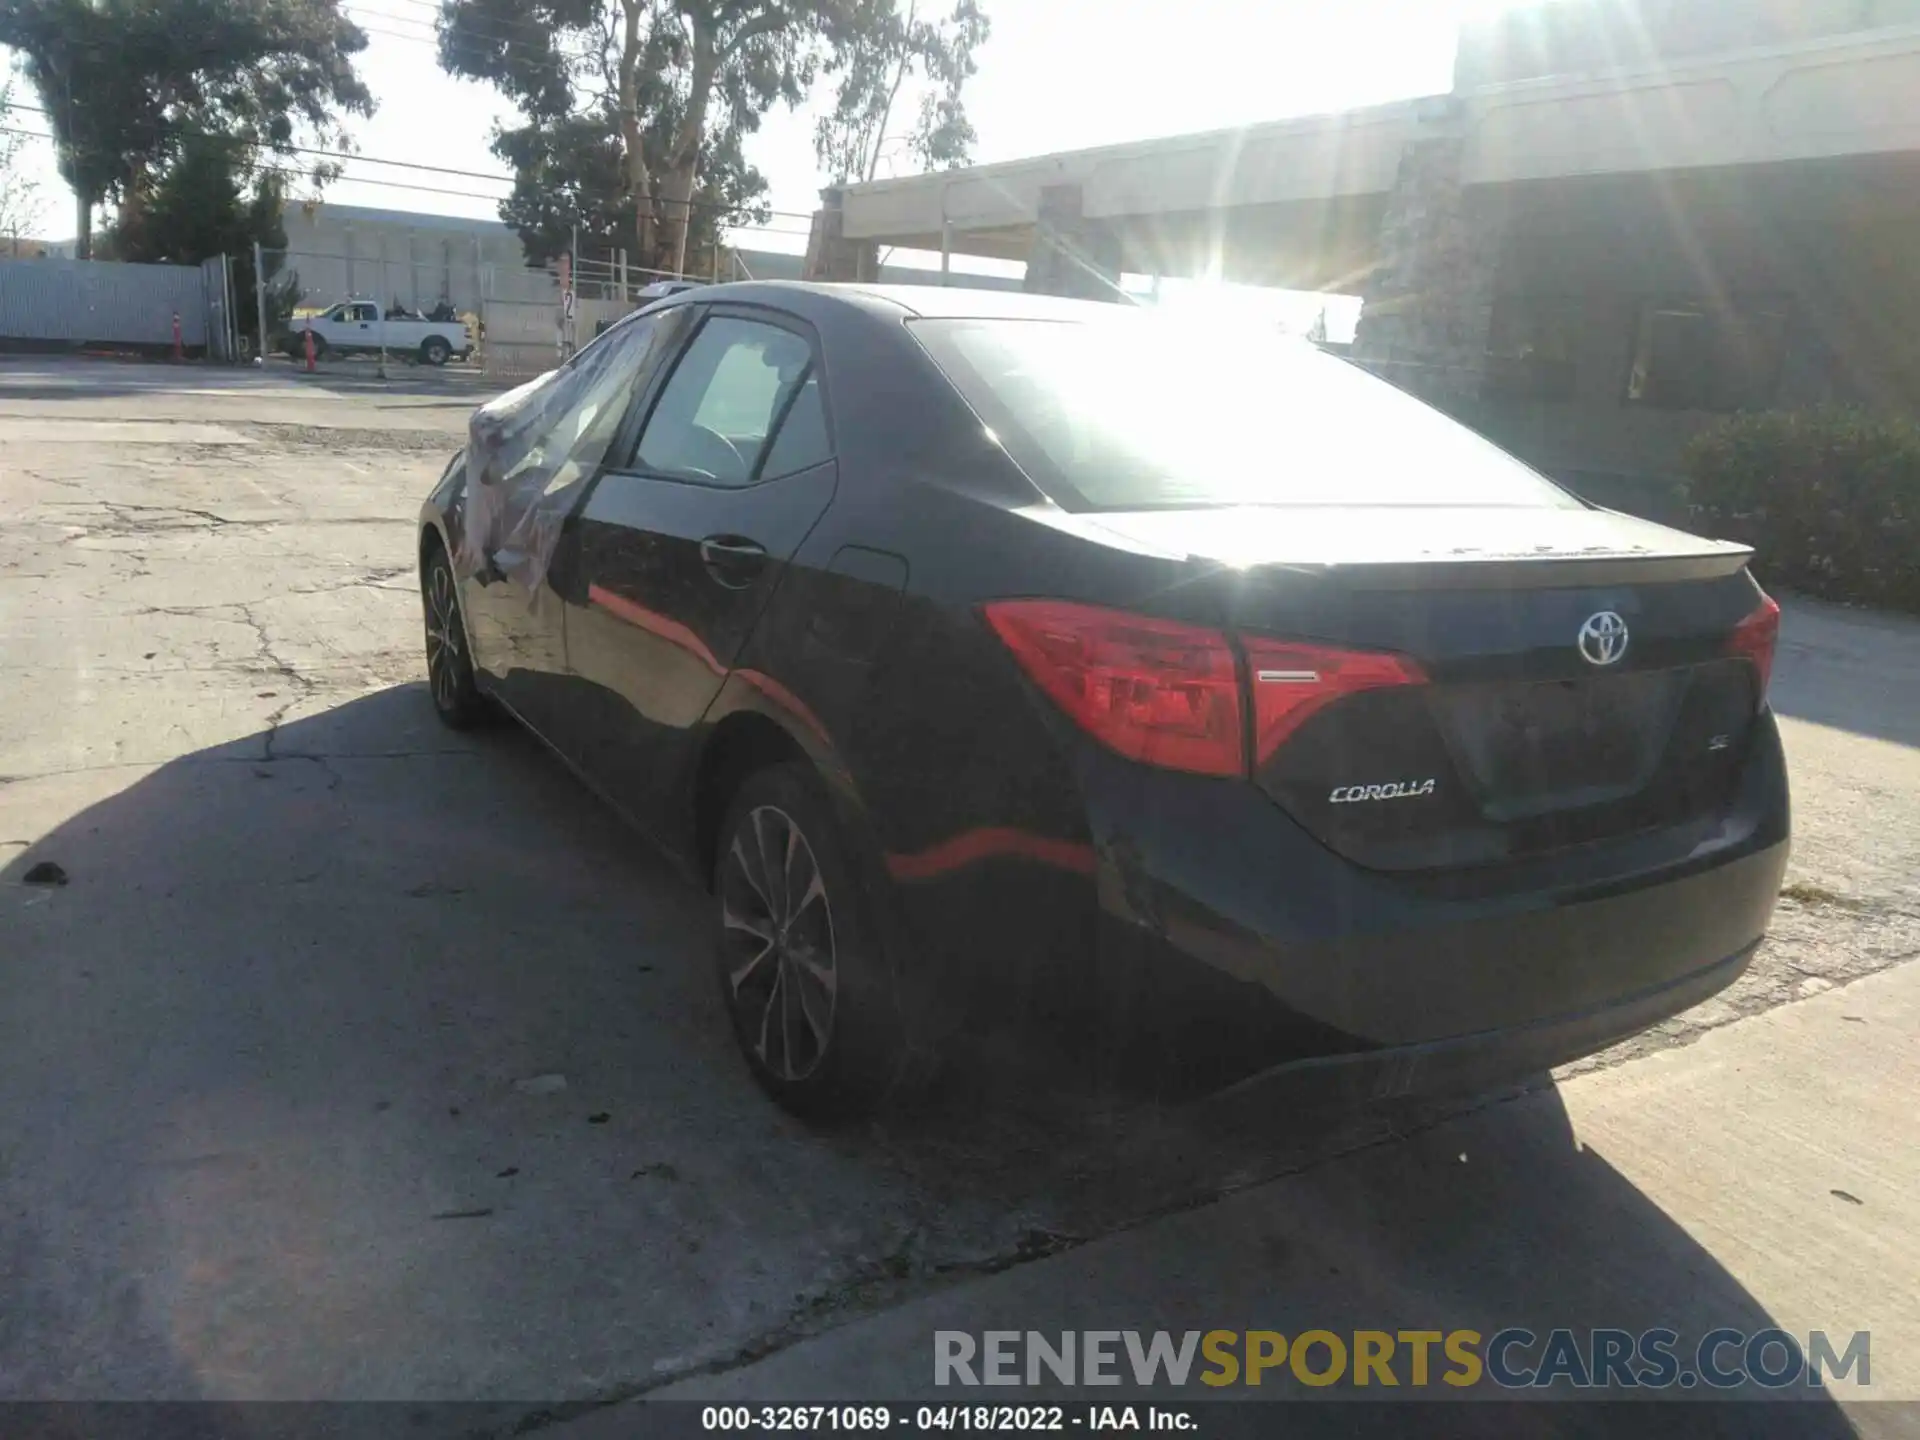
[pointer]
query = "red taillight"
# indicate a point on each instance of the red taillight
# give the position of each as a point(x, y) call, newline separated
point(1170, 694)
point(1293, 682)
point(1755, 637)
point(1154, 690)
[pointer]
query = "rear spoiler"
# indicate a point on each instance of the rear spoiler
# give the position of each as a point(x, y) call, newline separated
point(1484, 571)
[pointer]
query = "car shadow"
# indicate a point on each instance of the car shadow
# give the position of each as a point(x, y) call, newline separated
point(363, 1060)
point(1491, 1218)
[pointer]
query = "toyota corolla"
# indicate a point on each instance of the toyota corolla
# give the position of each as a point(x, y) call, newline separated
point(990, 654)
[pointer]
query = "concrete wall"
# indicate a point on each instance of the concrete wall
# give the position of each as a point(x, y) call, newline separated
point(1585, 37)
point(992, 208)
point(1828, 247)
point(1278, 184)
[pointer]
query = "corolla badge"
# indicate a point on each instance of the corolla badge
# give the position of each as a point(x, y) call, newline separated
point(1603, 639)
point(1395, 790)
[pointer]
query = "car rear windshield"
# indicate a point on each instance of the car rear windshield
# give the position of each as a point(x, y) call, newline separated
point(1146, 411)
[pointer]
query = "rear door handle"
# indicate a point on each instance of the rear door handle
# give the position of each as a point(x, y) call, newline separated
point(733, 560)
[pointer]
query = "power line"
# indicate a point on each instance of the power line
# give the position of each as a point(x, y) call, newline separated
point(359, 7)
point(360, 17)
point(430, 42)
point(491, 26)
point(407, 185)
point(395, 34)
point(385, 184)
point(493, 178)
point(327, 154)
point(501, 29)
point(285, 173)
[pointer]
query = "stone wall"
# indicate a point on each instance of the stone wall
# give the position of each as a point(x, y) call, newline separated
point(830, 255)
point(1429, 302)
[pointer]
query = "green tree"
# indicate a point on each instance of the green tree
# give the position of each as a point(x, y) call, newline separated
point(676, 85)
point(211, 199)
point(126, 82)
point(569, 172)
point(891, 50)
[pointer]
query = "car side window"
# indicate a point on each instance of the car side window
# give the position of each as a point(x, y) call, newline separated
point(338, 312)
point(724, 398)
point(801, 441)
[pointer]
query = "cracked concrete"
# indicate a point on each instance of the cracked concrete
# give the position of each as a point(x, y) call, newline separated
point(271, 1028)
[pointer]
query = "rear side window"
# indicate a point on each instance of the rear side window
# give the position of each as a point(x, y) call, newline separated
point(1141, 411)
point(801, 442)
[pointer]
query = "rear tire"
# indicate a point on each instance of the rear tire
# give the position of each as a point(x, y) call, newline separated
point(434, 350)
point(450, 681)
point(801, 964)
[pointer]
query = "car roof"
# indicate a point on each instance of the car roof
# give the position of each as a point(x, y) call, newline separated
point(956, 301)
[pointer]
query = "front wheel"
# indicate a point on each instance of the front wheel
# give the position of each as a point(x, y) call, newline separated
point(456, 696)
point(800, 961)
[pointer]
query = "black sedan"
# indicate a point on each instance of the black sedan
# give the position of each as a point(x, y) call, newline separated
point(992, 655)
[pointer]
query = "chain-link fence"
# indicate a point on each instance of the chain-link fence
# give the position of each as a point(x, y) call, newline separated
point(223, 321)
point(347, 314)
point(535, 318)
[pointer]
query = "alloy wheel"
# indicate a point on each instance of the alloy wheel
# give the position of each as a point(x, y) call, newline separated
point(444, 638)
point(778, 952)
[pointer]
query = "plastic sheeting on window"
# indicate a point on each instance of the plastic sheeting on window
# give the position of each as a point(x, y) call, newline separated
point(530, 450)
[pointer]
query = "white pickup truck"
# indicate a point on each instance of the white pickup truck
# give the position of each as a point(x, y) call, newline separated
point(355, 327)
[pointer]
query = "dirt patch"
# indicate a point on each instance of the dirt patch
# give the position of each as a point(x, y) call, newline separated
point(1805, 892)
point(336, 438)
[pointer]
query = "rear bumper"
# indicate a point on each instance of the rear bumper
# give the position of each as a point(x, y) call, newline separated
point(1204, 937)
point(1470, 1063)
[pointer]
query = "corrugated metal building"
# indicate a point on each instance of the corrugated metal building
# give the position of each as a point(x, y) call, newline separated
point(86, 302)
point(342, 251)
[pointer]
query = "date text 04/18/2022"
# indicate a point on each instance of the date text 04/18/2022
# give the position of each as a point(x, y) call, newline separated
point(756, 1419)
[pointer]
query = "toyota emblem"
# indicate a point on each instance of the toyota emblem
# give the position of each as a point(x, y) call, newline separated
point(1603, 639)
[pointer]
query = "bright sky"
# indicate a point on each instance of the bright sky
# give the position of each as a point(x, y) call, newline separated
point(1057, 74)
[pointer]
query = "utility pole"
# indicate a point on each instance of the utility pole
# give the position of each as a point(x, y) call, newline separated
point(566, 303)
point(260, 302)
point(686, 225)
point(573, 289)
point(381, 309)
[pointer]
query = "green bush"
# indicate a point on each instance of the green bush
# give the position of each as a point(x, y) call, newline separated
point(1829, 499)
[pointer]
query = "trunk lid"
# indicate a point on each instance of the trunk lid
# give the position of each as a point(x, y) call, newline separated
point(1570, 671)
